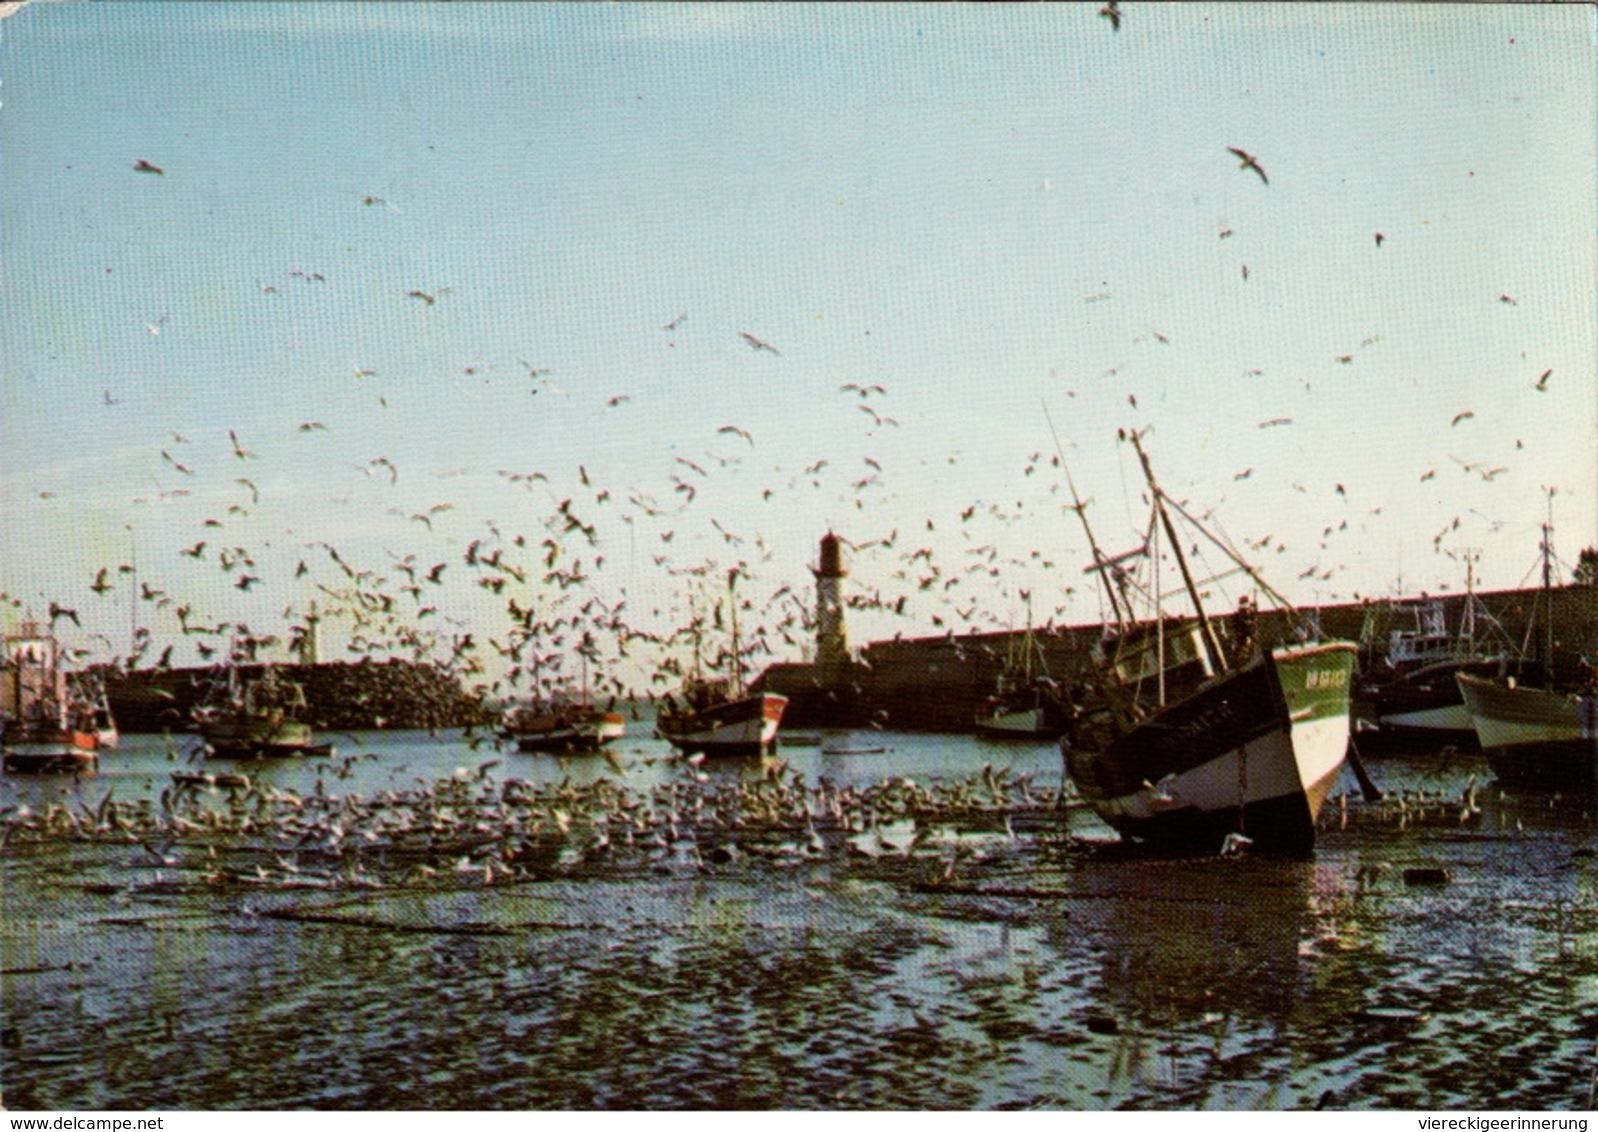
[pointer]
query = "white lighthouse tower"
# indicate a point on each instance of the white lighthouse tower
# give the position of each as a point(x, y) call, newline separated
point(832, 639)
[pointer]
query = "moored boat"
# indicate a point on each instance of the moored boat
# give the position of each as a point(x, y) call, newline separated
point(1408, 697)
point(43, 727)
point(258, 720)
point(1026, 703)
point(1534, 737)
point(560, 726)
point(716, 720)
point(1198, 735)
point(718, 715)
point(96, 705)
point(1423, 708)
point(1538, 726)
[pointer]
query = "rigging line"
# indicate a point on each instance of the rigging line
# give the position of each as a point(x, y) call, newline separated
point(1269, 590)
point(1081, 513)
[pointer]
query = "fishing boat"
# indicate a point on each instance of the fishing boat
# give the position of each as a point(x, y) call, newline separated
point(718, 715)
point(560, 725)
point(1199, 732)
point(1409, 698)
point(1538, 726)
point(1026, 702)
point(258, 719)
point(1540, 738)
point(43, 727)
point(717, 718)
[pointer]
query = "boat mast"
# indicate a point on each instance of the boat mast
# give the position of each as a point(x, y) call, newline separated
point(1469, 627)
point(1212, 644)
point(1099, 561)
point(1545, 643)
point(737, 658)
point(133, 592)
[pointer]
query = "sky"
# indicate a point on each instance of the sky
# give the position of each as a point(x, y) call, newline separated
point(642, 295)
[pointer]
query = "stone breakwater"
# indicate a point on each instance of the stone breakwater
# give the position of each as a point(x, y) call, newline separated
point(392, 694)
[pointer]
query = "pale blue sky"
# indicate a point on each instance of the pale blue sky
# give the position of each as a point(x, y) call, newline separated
point(982, 210)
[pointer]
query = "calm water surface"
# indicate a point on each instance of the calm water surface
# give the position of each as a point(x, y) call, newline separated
point(1053, 969)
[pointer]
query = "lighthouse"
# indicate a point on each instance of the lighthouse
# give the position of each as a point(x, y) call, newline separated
point(832, 640)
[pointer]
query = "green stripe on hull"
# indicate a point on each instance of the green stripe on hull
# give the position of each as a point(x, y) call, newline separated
point(1316, 679)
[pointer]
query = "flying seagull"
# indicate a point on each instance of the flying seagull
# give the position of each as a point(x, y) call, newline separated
point(757, 344)
point(1248, 162)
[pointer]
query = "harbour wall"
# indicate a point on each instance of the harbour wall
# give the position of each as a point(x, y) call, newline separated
point(939, 683)
point(924, 683)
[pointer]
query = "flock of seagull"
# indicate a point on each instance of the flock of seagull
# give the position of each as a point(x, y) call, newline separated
point(476, 828)
point(550, 583)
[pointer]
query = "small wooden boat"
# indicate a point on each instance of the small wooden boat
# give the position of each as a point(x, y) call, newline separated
point(43, 727)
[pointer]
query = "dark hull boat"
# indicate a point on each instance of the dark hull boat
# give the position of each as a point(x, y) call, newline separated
point(1199, 733)
point(1535, 737)
point(1254, 751)
point(1422, 708)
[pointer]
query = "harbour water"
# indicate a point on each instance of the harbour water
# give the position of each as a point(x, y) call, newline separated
point(1039, 965)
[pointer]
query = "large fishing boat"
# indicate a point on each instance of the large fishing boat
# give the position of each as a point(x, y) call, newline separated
point(257, 719)
point(718, 715)
point(1200, 732)
point(43, 726)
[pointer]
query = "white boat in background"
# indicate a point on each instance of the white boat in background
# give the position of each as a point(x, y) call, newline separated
point(1201, 734)
point(1534, 737)
point(560, 726)
point(1026, 703)
point(1539, 727)
point(258, 719)
point(560, 719)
